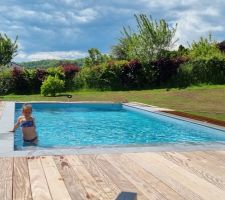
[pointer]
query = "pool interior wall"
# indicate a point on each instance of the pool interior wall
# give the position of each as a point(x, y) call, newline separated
point(122, 139)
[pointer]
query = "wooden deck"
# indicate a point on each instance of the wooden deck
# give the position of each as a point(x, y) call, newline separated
point(168, 175)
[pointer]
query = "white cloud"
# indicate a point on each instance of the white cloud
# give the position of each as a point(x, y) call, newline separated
point(86, 15)
point(58, 55)
point(192, 24)
point(78, 24)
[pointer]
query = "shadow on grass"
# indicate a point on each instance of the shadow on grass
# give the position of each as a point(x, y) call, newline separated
point(62, 95)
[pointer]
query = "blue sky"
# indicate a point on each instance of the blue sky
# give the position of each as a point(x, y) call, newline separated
point(66, 29)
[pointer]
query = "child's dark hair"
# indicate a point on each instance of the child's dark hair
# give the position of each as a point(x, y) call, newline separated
point(27, 106)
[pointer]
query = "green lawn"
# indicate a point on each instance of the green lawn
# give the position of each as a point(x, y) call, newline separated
point(208, 101)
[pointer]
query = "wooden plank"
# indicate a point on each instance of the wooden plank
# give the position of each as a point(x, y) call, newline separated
point(100, 177)
point(74, 161)
point(54, 179)
point(149, 185)
point(193, 167)
point(192, 182)
point(206, 162)
point(6, 173)
point(6, 168)
point(39, 186)
point(21, 180)
point(116, 176)
point(159, 171)
point(218, 158)
point(71, 180)
point(93, 190)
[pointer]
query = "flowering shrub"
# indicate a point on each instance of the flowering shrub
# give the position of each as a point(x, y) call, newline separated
point(70, 70)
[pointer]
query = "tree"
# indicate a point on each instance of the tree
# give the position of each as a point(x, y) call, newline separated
point(147, 43)
point(8, 49)
point(205, 48)
point(124, 49)
point(95, 58)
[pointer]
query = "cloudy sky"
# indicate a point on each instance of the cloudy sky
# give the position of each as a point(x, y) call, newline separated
point(61, 29)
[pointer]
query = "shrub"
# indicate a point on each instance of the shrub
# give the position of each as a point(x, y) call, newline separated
point(221, 46)
point(103, 76)
point(36, 77)
point(20, 80)
point(210, 71)
point(56, 71)
point(132, 75)
point(165, 68)
point(5, 82)
point(115, 75)
point(52, 85)
point(205, 48)
point(184, 76)
point(70, 71)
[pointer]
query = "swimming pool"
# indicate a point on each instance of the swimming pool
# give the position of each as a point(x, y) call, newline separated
point(83, 124)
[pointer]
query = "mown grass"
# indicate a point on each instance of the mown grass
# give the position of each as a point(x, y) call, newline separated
point(208, 101)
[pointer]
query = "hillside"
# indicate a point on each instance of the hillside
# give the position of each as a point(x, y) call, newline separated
point(50, 63)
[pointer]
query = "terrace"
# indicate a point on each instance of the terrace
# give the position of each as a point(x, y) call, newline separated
point(165, 175)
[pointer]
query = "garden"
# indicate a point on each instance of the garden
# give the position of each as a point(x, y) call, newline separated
point(143, 64)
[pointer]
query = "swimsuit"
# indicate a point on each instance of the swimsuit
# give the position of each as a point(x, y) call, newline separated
point(32, 140)
point(26, 124)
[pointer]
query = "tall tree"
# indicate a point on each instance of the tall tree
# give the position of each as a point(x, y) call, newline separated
point(95, 57)
point(148, 42)
point(8, 49)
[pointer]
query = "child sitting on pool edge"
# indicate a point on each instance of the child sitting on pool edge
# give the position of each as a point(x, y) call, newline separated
point(27, 123)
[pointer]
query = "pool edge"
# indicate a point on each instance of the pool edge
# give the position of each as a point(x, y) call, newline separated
point(6, 124)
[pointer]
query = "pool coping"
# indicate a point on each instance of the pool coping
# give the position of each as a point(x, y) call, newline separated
point(6, 124)
point(7, 139)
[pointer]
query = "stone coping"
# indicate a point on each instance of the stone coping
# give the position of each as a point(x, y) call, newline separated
point(6, 124)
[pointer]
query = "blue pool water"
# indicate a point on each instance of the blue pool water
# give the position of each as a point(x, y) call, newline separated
point(72, 125)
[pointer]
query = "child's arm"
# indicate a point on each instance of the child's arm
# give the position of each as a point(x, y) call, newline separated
point(16, 125)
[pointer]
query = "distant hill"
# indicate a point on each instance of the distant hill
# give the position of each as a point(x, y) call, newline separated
point(50, 63)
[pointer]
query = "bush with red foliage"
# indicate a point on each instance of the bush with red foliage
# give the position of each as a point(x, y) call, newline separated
point(41, 74)
point(166, 68)
point(37, 76)
point(221, 46)
point(70, 70)
point(132, 75)
point(19, 80)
